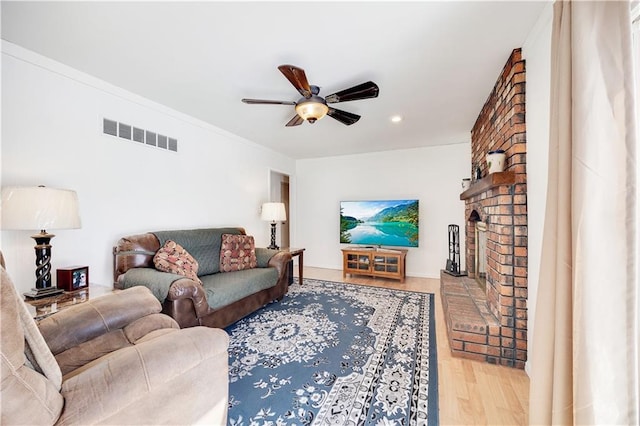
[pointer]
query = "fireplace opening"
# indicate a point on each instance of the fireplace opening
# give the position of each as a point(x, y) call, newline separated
point(481, 255)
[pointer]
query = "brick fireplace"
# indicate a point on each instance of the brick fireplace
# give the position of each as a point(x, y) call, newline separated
point(490, 323)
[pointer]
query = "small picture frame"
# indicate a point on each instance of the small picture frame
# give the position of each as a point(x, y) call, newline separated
point(73, 278)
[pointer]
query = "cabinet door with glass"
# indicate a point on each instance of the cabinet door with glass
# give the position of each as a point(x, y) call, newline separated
point(358, 262)
point(388, 264)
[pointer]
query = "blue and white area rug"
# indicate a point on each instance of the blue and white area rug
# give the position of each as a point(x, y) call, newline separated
point(336, 354)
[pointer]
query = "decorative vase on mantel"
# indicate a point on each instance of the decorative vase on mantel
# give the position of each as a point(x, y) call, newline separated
point(495, 161)
point(466, 183)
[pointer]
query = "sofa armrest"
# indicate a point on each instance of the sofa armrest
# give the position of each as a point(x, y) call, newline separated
point(186, 288)
point(264, 255)
point(134, 251)
point(86, 321)
point(169, 288)
point(157, 281)
point(280, 261)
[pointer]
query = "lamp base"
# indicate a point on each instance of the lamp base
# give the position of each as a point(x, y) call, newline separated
point(39, 293)
point(273, 245)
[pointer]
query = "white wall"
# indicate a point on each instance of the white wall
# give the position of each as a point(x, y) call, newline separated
point(52, 135)
point(432, 175)
point(537, 53)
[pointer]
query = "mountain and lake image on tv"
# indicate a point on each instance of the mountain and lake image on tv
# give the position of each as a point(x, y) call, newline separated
point(379, 222)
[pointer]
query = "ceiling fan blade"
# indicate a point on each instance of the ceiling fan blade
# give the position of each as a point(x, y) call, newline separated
point(344, 117)
point(295, 121)
point(268, 102)
point(298, 78)
point(361, 91)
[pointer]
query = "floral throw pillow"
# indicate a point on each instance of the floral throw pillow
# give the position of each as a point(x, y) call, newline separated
point(237, 252)
point(175, 259)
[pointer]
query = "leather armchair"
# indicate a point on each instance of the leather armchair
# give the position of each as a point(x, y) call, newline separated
point(112, 360)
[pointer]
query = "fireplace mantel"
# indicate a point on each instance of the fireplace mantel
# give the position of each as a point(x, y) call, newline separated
point(490, 181)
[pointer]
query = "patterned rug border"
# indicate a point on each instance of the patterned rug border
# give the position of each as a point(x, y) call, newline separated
point(434, 403)
point(295, 281)
point(432, 385)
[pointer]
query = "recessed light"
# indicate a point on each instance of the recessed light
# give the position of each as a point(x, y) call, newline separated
point(396, 119)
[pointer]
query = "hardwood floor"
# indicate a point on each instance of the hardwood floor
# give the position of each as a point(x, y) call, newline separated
point(470, 392)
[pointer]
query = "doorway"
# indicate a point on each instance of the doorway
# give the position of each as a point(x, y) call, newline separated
point(279, 193)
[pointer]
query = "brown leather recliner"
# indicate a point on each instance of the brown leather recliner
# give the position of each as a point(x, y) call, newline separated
point(111, 360)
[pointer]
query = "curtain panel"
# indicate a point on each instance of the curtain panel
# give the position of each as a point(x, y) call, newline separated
point(584, 360)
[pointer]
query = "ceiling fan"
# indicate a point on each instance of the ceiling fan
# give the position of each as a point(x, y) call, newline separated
point(312, 107)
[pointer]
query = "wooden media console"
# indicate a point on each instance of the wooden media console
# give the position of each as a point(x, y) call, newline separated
point(375, 262)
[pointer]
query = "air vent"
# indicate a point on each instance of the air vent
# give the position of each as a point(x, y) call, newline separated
point(136, 134)
point(162, 141)
point(150, 138)
point(124, 131)
point(110, 127)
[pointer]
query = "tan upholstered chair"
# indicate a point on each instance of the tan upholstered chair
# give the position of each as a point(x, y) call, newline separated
point(111, 360)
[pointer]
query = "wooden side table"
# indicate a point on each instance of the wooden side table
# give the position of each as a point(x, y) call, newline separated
point(300, 253)
point(47, 306)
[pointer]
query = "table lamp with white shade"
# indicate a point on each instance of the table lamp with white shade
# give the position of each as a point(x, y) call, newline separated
point(273, 212)
point(40, 208)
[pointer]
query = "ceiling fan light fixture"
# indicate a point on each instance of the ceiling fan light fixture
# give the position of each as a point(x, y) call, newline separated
point(312, 109)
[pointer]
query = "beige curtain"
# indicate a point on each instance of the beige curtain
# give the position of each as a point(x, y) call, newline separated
point(584, 357)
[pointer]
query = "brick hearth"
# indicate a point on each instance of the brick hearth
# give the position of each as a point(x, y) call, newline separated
point(474, 332)
point(491, 325)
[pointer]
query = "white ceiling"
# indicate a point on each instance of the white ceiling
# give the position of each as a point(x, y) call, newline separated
point(435, 62)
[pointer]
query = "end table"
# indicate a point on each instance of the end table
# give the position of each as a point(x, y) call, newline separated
point(47, 306)
point(300, 253)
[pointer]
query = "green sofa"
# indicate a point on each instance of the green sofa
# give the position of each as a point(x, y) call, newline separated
point(223, 297)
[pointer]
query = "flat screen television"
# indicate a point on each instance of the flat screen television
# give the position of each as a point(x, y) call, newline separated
point(380, 222)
